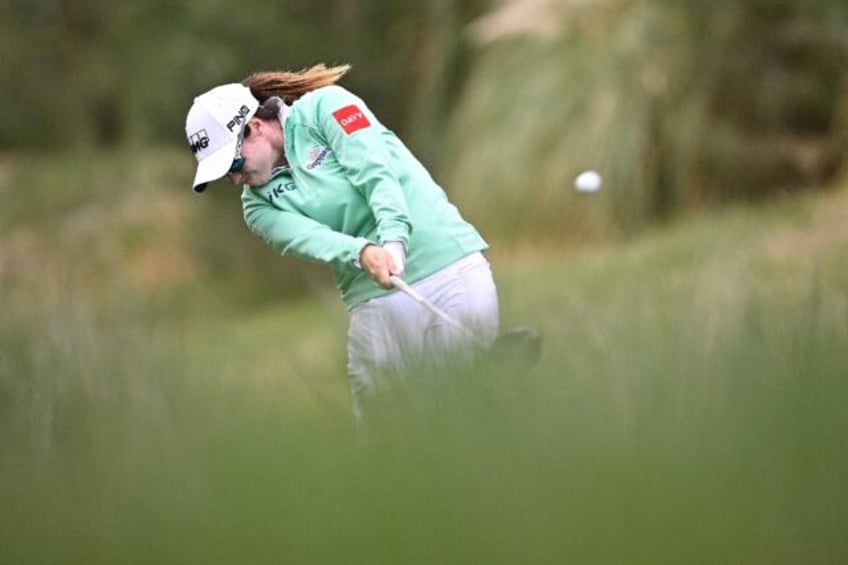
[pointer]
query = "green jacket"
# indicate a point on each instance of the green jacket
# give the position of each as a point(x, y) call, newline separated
point(349, 182)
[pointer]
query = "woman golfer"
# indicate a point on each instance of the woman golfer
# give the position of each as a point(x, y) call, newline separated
point(325, 181)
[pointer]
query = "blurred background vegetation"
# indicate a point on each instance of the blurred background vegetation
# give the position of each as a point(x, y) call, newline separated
point(695, 309)
point(678, 104)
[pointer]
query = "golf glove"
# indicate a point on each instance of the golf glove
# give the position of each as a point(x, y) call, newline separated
point(398, 252)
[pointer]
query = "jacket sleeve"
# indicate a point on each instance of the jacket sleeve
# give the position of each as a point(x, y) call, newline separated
point(293, 234)
point(358, 142)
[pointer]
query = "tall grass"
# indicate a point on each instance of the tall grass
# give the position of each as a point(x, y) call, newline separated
point(688, 407)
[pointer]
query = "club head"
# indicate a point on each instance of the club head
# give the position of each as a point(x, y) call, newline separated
point(519, 345)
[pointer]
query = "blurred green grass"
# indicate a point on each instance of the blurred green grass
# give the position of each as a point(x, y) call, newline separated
point(688, 407)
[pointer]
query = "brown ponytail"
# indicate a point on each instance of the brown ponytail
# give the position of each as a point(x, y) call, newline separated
point(292, 85)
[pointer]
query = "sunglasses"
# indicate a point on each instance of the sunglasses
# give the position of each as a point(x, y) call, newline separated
point(238, 161)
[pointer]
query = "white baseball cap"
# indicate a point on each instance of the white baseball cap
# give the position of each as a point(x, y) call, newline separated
point(214, 127)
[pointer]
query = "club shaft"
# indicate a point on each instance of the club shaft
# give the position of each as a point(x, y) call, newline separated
point(415, 295)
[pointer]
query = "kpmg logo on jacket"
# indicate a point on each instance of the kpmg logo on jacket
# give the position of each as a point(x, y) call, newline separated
point(198, 141)
point(316, 157)
point(282, 188)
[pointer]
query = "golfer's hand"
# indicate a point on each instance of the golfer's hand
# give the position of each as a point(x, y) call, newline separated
point(398, 252)
point(379, 265)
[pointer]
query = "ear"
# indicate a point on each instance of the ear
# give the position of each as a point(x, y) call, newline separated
point(256, 125)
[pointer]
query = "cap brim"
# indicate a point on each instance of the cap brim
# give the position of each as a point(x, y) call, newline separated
point(214, 166)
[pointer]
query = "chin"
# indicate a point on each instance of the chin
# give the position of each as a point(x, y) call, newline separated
point(255, 183)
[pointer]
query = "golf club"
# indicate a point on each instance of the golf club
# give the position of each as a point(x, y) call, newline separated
point(521, 343)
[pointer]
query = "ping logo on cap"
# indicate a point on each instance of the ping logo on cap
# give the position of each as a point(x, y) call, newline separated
point(238, 119)
point(198, 141)
point(351, 118)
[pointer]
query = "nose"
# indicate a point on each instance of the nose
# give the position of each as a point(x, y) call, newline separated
point(235, 178)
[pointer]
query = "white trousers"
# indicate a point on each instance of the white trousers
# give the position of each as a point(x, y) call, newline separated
point(394, 332)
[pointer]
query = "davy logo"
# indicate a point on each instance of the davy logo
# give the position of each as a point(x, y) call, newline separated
point(238, 119)
point(351, 119)
point(198, 141)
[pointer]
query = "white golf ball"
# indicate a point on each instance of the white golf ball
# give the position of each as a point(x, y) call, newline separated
point(588, 181)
